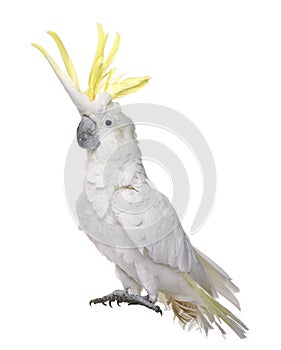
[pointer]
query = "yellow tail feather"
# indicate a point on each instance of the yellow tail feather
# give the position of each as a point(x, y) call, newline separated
point(208, 312)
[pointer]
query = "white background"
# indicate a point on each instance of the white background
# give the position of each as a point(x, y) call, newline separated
point(218, 62)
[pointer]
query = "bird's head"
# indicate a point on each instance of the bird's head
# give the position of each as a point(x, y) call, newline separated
point(100, 114)
point(104, 123)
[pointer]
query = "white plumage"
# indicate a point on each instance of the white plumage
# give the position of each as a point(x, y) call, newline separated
point(129, 221)
point(136, 228)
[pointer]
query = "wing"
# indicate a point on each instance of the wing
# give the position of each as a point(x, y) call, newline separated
point(152, 224)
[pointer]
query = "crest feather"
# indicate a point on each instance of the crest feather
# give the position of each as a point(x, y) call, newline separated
point(66, 59)
point(127, 86)
point(101, 75)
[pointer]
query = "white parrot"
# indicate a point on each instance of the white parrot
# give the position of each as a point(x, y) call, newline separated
point(129, 221)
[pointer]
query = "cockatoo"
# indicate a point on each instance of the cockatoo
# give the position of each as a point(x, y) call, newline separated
point(129, 221)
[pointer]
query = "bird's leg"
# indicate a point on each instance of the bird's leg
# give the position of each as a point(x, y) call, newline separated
point(122, 296)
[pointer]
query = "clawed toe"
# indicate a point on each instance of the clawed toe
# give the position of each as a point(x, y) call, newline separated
point(158, 310)
point(121, 296)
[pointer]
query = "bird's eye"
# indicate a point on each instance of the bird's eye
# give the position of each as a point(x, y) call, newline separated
point(108, 122)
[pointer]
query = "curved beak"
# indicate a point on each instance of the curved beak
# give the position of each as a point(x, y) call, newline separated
point(87, 134)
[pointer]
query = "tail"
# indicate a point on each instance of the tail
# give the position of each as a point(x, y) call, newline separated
point(206, 313)
point(221, 281)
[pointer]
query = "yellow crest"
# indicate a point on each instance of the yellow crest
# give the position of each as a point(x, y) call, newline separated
point(101, 76)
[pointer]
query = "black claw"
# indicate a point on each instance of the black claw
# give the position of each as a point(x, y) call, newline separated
point(158, 310)
point(122, 296)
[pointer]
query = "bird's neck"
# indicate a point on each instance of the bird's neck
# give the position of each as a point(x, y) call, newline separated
point(114, 165)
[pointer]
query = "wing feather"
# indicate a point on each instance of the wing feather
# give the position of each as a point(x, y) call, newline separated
point(151, 222)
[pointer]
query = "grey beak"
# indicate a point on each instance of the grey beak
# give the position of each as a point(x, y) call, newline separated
point(87, 134)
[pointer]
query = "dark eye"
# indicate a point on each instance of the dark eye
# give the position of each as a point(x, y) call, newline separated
point(108, 122)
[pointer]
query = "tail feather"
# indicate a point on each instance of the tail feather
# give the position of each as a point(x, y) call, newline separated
point(189, 314)
point(220, 279)
point(206, 312)
point(224, 314)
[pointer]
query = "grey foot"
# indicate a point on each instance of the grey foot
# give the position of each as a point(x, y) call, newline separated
point(121, 296)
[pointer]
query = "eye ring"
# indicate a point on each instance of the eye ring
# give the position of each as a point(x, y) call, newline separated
point(108, 122)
